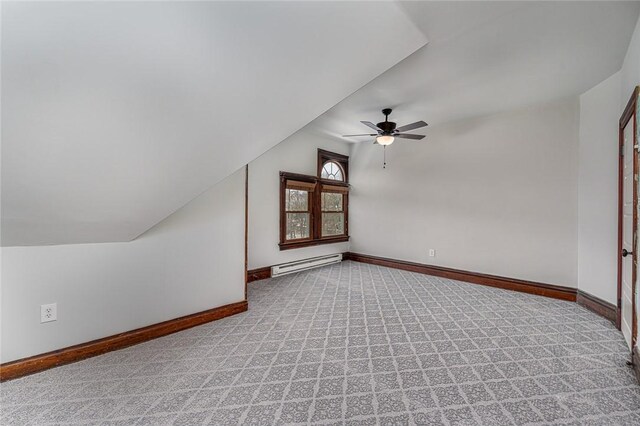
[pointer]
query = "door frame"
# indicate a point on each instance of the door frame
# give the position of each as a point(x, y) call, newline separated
point(629, 112)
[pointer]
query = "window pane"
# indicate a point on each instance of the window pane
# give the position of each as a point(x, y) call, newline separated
point(332, 171)
point(332, 224)
point(331, 201)
point(297, 226)
point(296, 200)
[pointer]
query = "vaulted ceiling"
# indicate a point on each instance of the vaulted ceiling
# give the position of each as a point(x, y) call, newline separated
point(116, 114)
point(487, 57)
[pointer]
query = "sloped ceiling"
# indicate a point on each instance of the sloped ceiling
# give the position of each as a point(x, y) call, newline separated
point(115, 114)
point(487, 57)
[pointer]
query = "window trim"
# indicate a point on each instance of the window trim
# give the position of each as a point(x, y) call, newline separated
point(315, 232)
point(333, 189)
point(284, 177)
point(309, 210)
point(341, 160)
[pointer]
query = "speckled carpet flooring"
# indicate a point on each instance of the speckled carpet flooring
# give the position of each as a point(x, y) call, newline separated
point(354, 344)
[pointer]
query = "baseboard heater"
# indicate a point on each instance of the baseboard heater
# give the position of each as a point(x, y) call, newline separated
point(303, 265)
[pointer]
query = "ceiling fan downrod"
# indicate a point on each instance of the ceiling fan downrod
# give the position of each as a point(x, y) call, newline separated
point(386, 113)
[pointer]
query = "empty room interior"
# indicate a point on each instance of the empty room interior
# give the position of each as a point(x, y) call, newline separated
point(320, 212)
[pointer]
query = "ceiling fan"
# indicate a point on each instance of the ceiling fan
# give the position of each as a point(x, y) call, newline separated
point(387, 130)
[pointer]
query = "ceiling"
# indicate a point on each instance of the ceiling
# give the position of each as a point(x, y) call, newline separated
point(116, 114)
point(487, 57)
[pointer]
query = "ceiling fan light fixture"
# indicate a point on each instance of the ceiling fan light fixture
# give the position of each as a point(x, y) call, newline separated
point(385, 139)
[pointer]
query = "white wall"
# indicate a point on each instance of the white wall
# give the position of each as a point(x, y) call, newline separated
point(630, 72)
point(598, 190)
point(190, 262)
point(118, 113)
point(495, 195)
point(296, 154)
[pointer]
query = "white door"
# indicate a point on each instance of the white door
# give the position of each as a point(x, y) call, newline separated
point(627, 232)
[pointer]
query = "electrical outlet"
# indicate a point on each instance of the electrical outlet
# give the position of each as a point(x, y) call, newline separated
point(48, 312)
point(432, 253)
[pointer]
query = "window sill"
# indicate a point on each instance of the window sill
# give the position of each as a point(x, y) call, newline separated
point(309, 243)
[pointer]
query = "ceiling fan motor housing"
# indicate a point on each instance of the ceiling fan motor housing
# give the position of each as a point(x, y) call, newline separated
point(386, 126)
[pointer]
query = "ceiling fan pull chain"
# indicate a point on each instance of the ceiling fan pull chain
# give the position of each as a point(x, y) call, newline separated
point(384, 156)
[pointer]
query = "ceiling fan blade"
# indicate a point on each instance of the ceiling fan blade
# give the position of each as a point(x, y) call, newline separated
point(365, 134)
point(408, 136)
point(373, 126)
point(412, 126)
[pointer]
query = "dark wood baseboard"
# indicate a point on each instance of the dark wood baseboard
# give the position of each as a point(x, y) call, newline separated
point(597, 305)
point(37, 363)
point(540, 289)
point(259, 274)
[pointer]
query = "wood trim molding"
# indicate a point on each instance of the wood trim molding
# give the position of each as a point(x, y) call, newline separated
point(37, 363)
point(628, 113)
point(314, 211)
point(341, 159)
point(597, 305)
point(246, 230)
point(630, 108)
point(309, 243)
point(259, 274)
point(540, 289)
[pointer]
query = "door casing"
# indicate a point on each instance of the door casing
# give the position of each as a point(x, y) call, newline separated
point(628, 114)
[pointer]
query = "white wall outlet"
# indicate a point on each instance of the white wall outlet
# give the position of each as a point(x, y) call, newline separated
point(432, 253)
point(48, 312)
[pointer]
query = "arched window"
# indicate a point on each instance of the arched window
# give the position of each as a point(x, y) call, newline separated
point(315, 209)
point(332, 170)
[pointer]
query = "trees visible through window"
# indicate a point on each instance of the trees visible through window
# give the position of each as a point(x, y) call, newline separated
point(314, 209)
point(298, 206)
point(332, 213)
point(298, 214)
